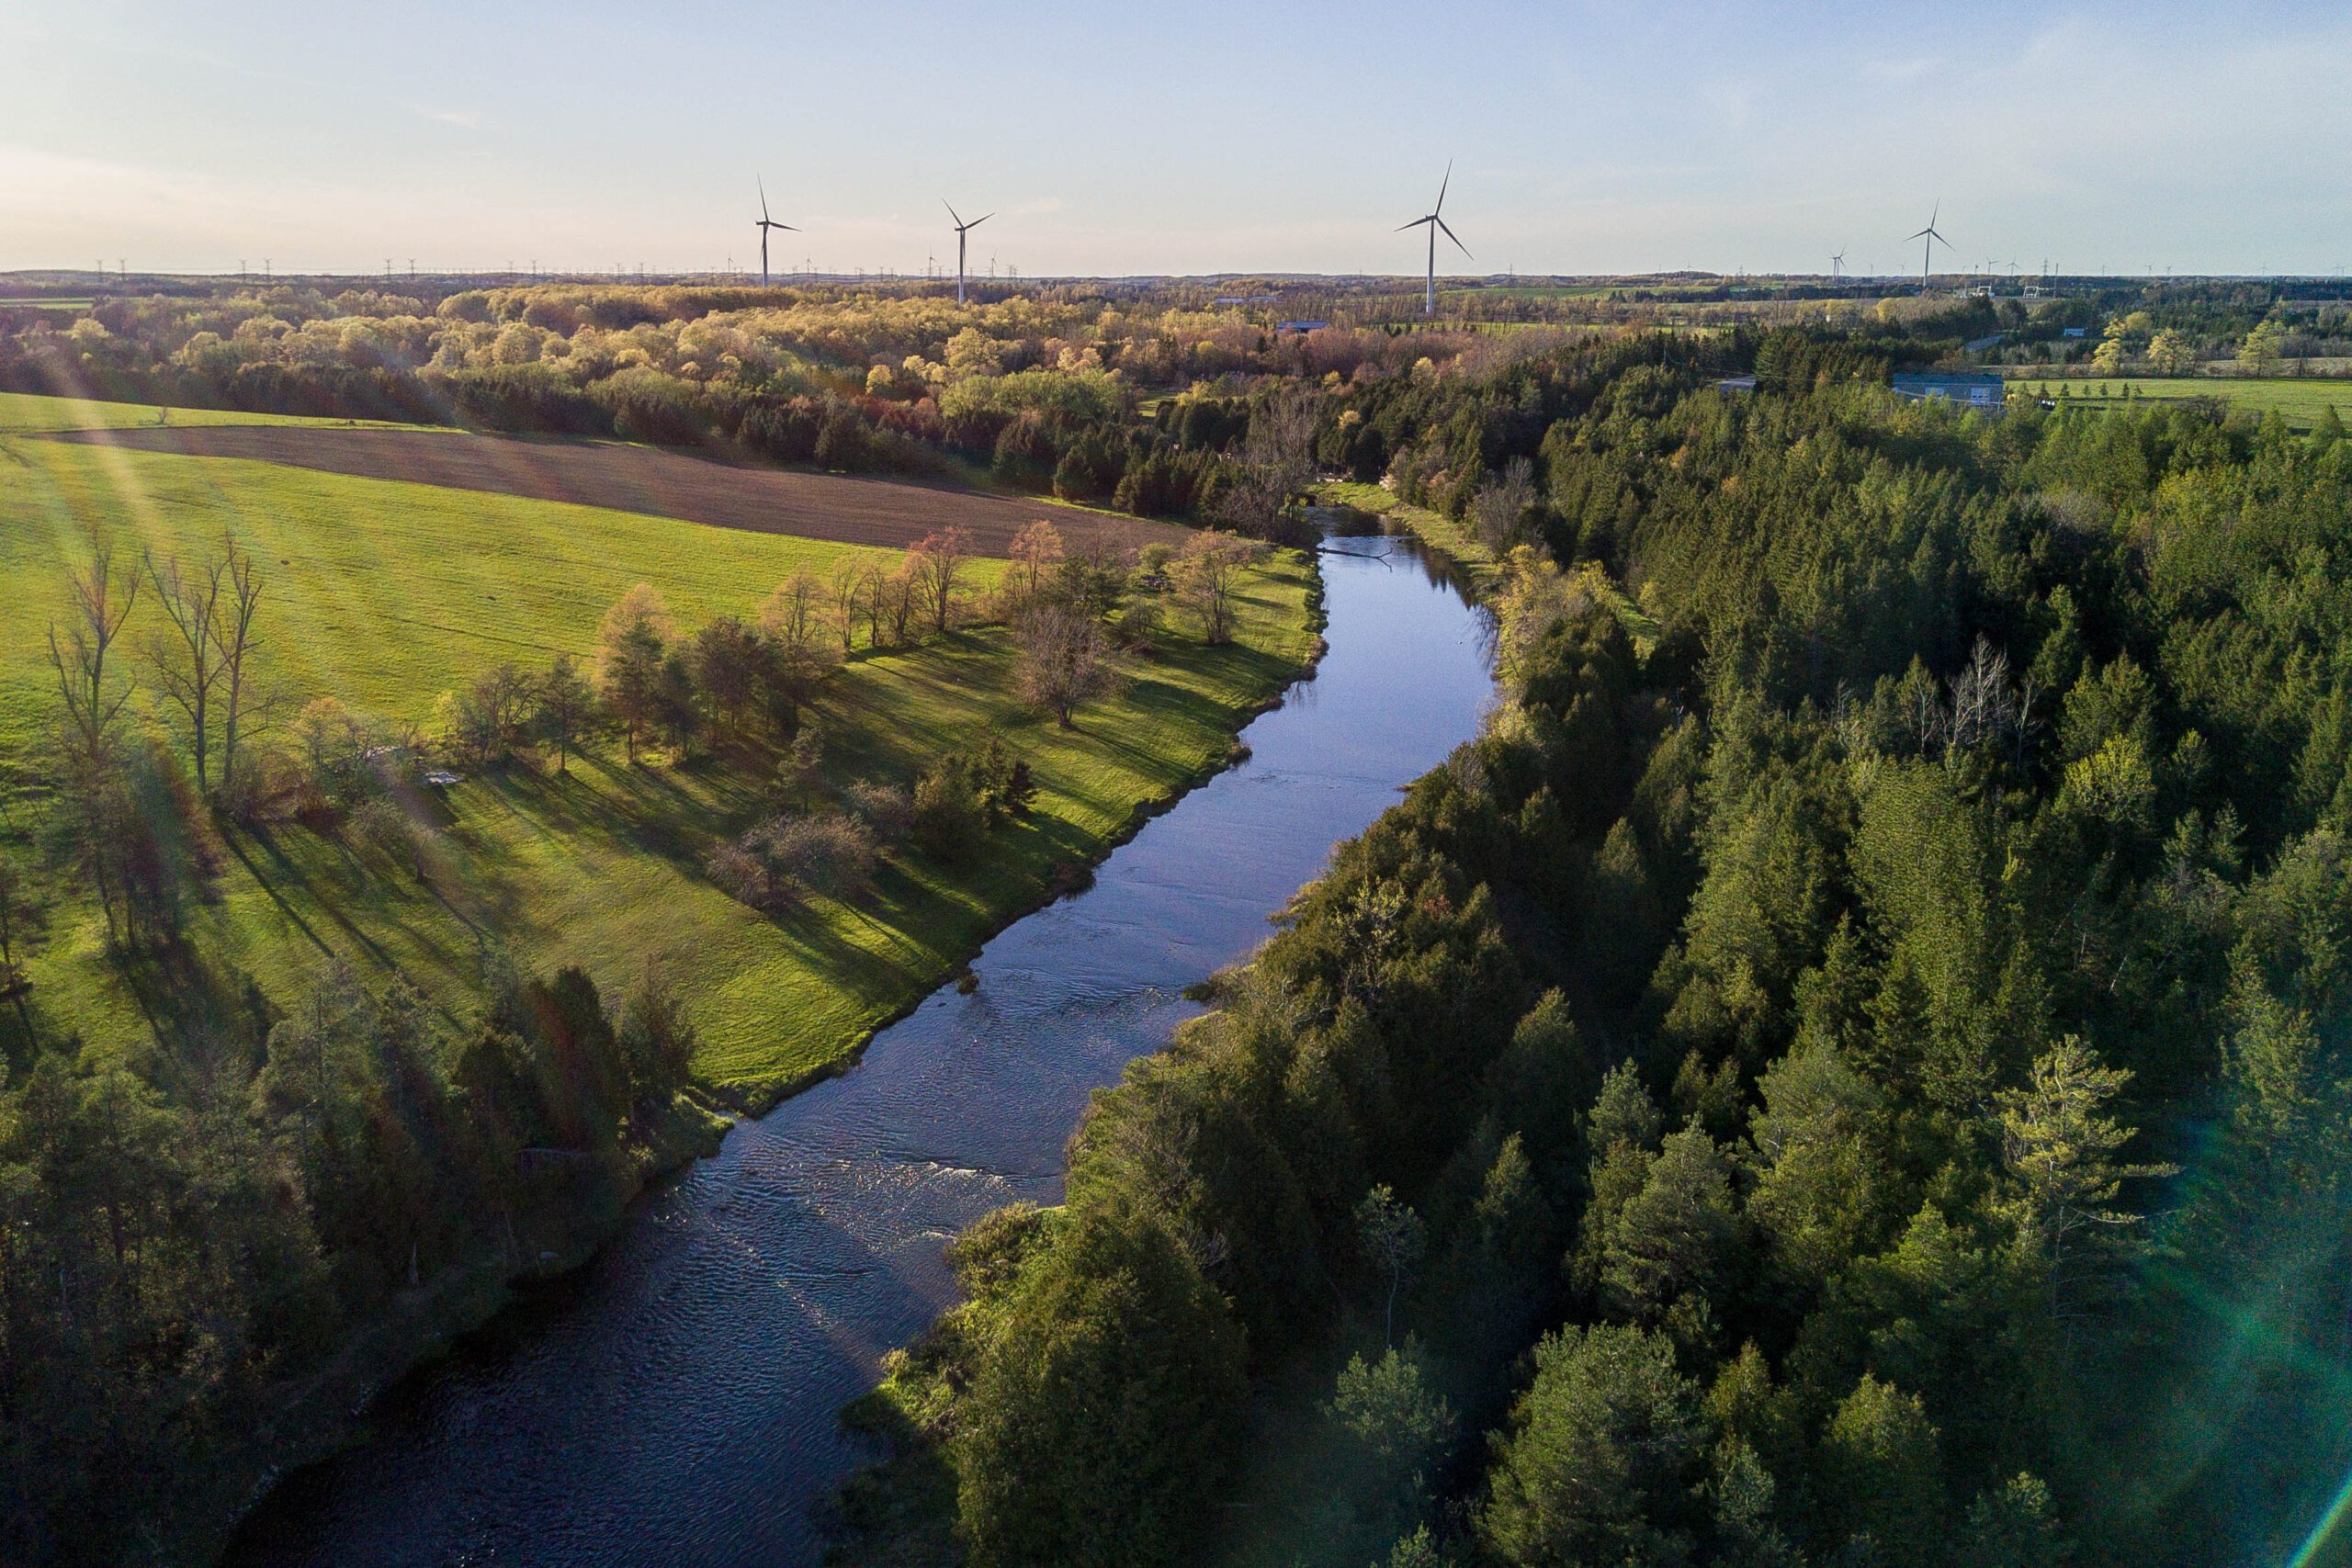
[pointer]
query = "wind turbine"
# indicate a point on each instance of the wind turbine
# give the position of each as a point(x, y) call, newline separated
point(963, 228)
point(1837, 266)
point(1932, 236)
point(1429, 299)
point(765, 224)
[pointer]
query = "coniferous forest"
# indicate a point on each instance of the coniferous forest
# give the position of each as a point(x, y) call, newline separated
point(1849, 1067)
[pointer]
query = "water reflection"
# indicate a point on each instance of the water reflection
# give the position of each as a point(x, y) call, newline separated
point(676, 1401)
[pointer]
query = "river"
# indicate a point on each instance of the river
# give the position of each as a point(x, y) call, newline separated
point(675, 1401)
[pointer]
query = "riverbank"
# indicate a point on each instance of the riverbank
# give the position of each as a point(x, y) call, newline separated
point(1168, 730)
point(680, 1395)
point(323, 1411)
point(1458, 543)
point(1171, 728)
point(899, 1510)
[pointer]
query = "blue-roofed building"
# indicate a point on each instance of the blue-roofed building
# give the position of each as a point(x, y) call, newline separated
point(1966, 389)
point(1281, 327)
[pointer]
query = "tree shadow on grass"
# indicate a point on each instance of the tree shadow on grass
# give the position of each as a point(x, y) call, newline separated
point(262, 838)
point(360, 889)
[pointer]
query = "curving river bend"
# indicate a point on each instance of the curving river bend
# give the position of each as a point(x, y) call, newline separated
point(674, 1403)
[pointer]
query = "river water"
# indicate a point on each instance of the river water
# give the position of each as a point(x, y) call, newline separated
point(675, 1401)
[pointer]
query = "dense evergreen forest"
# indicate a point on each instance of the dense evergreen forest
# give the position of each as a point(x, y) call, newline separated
point(1855, 1076)
point(210, 1248)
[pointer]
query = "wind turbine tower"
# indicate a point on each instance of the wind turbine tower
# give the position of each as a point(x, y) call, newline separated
point(963, 228)
point(765, 224)
point(1837, 266)
point(1429, 296)
point(1931, 236)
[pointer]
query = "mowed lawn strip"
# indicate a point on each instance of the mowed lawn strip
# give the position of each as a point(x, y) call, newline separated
point(384, 595)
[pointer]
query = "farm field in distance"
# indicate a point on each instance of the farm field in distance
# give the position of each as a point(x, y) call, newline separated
point(2299, 400)
point(386, 593)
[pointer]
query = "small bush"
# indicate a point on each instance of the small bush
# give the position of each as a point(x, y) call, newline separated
point(950, 816)
point(887, 809)
point(786, 859)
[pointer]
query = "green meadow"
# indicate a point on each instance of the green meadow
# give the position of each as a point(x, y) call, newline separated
point(25, 413)
point(2301, 403)
point(385, 595)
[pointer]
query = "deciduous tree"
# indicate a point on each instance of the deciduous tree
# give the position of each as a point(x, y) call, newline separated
point(1208, 576)
point(1063, 662)
point(938, 561)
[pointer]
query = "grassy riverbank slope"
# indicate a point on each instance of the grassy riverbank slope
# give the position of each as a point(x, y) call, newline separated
point(385, 595)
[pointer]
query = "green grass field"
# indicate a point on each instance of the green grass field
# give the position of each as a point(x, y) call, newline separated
point(25, 413)
point(385, 595)
point(2298, 401)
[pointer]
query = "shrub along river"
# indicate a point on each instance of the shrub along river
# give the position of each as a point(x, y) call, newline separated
point(675, 1401)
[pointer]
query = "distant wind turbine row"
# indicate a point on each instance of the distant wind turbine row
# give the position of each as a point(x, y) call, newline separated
point(1433, 221)
point(964, 229)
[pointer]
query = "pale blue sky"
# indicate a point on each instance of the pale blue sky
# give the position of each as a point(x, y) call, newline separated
point(1124, 139)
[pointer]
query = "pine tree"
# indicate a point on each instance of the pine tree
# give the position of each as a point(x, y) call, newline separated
point(2065, 1178)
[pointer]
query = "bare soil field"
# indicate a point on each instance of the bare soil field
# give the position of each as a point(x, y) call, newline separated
point(855, 511)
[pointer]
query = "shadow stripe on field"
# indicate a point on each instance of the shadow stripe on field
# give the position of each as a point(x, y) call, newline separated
point(845, 509)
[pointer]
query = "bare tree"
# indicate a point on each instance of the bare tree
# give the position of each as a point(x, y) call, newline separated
point(873, 591)
point(91, 795)
point(1037, 555)
point(848, 589)
point(1275, 466)
point(234, 637)
point(899, 597)
point(102, 602)
point(1984, 706)
point(783, 859)
point(794, 619)
point(1503, 504)
point(938, 562)
point(1979, 706)
point(188, 659)
point(1063, 661)
point(1208, 578)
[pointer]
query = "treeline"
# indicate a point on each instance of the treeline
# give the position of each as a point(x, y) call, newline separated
point(1041, 393)
point(1857, 1077)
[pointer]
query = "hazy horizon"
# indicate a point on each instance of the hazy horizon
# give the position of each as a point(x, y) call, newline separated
point(1586, 141)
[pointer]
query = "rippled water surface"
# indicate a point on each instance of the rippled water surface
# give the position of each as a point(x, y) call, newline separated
point(675, 1401)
